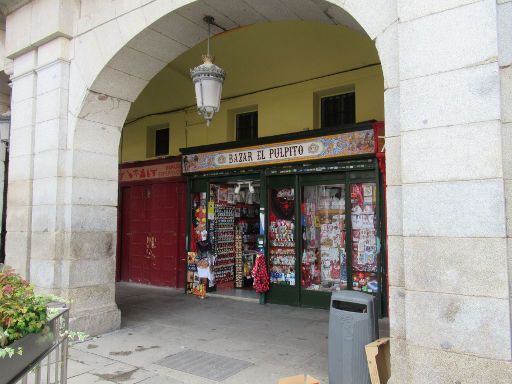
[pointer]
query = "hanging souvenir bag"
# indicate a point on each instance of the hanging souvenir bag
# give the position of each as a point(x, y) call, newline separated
point(260, 275)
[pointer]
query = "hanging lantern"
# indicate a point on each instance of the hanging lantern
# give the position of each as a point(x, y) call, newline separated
point(208, 79)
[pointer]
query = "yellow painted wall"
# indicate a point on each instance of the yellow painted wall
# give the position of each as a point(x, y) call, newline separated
point(257, 58)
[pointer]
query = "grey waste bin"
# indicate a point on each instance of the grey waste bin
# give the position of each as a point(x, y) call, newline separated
point(352, 325)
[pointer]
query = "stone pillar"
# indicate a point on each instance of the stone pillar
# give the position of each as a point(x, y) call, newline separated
point(19, 195)
point(48, 194)
point(54, 231)
point(456, 297)
point(91, 232)
point(56, 237)
point(505, 63)
point(75, 200)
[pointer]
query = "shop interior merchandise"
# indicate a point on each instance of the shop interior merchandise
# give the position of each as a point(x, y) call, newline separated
point(324, 236)
point(365, 242)
point(281, 236)
point(228, 224)
point(324, 258)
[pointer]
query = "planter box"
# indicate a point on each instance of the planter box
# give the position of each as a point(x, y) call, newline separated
point(34, 345)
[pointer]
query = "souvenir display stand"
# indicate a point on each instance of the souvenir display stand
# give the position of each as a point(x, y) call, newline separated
point(226, 216)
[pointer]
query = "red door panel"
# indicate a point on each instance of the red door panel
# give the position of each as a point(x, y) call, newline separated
point(139, 223)
point(125, 232)
point(164, 224)
point(158, 211)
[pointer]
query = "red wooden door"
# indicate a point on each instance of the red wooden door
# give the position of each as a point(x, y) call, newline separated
point(135, 229)
point(165, 229)
point(154, 211)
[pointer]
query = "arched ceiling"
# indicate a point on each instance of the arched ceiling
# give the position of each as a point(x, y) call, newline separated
point(257, 57)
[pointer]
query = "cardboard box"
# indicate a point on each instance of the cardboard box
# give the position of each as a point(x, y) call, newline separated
point(299, 379)
point(378, 356)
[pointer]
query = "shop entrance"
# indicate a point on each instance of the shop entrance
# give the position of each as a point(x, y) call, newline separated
point(320, 222)
point(224, 235)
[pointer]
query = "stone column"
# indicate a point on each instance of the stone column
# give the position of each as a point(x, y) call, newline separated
point(50, 165)
point(75, 200)
point(505, 63)
point(91, 210)
point(54, 226)
point(19, 196)
point(456, 323)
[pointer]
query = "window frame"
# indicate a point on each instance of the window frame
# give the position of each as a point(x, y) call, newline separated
point(322, 98)
point(235, 122)
point(319, 95)
point(151, 140)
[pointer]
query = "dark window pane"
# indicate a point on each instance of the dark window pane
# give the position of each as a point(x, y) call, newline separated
point(247, 126)
point(338, 110)
point(162, 142)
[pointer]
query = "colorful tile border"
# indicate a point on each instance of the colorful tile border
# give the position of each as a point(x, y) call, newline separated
point(317, 148)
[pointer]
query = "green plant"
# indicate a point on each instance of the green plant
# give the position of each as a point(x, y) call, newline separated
point(22, 311)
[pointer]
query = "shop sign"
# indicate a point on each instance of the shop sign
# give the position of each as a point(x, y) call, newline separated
point(325, 147)
point(150, 172)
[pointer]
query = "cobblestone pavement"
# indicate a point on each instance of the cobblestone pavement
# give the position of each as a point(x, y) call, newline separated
point(272, 341)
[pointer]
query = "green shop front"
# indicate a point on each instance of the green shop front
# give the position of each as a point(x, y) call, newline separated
point(311, 203)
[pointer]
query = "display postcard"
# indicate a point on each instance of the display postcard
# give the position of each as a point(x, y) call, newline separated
point(192, 267)
point(326, 242)
point(213, 192)
point(357, 221)
point(223, 194)
point(191, 257)
point(368, 189)
point(368, 208)
point(231, 196)
point(367, 221)
point(211, 210)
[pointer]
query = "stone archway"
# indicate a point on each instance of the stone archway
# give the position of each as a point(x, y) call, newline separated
point(133, 55)
point(442, 100)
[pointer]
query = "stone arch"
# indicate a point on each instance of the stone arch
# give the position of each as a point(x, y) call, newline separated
point(114, 62)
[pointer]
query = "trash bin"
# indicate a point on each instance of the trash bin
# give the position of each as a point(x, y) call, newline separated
point(352, 325)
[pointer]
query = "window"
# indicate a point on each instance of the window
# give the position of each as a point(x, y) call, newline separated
point(338, 110)
point(162, 142)
point(157, 141)
point(247, 125)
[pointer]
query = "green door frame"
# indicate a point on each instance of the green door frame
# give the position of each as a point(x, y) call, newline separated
point(281, 293)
